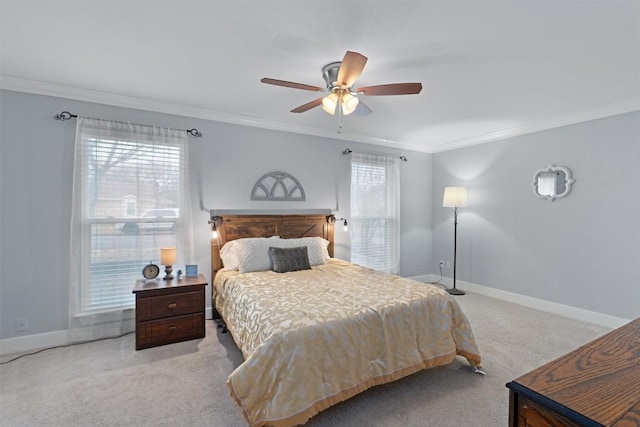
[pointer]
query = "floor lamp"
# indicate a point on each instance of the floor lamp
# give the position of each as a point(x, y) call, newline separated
point(455, 197)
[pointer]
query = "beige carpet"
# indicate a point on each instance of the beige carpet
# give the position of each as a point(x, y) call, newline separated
point(108, 383)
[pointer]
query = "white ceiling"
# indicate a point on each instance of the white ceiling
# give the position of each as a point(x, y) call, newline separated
point(489, 69)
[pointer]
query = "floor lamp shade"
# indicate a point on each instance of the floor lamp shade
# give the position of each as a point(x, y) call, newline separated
point(455, 197)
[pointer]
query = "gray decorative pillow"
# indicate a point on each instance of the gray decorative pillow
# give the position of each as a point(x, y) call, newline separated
point(289, 259)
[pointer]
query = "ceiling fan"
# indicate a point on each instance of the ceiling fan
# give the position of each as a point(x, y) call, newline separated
point(342, 98)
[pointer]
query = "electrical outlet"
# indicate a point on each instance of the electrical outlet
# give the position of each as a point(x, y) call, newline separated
point(441, 264)
point(447, 265)
point(22, 324)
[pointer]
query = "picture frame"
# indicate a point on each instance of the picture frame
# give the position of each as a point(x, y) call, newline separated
point(191, 270)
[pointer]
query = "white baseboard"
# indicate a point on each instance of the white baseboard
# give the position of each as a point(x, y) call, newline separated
point(531, 302)
point(33, 342)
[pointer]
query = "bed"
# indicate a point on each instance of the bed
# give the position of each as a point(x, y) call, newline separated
point(316, 336)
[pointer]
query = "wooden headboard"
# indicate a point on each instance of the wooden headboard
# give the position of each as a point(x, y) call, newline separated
point(287, 226)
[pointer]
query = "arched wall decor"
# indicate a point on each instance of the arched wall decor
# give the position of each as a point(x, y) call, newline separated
point(278, 186)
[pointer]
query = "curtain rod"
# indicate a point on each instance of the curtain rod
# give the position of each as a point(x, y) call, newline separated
point(65, 115)
point(347, 151)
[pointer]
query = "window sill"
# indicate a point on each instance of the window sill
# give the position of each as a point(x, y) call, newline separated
point(88, 318)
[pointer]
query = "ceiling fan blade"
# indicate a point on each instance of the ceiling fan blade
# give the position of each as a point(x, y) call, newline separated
point(290, 84)
point(308, 106)
point(352, 65)
point(362, 109)
point(391, 89)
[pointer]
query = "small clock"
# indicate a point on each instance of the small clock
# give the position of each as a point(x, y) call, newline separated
point(150, 271)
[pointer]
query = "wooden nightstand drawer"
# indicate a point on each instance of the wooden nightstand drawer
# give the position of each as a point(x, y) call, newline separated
point(159, 307)
point(173, 329)
point(169, 311)
point(533, 415)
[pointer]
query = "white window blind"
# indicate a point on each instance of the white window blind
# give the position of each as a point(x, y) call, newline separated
point(375, 212)
point(130, 199)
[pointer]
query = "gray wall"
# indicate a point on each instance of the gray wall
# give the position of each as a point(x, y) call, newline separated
point(583, 250)
point(36, 166)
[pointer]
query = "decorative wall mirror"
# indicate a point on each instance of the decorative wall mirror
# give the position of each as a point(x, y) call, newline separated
point(553, 182)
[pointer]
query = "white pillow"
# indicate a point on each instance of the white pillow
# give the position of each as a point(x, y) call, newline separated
point(229, 260)
point(252, 253)
point(237, 252)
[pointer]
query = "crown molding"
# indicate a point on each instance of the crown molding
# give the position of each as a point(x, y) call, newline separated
point(37, 87)
point(627, 106)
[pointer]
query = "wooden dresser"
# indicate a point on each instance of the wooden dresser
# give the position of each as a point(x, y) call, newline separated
point(596, 385)
point(169, 311)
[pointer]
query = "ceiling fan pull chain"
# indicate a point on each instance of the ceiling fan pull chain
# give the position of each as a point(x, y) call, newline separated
point(339, 108)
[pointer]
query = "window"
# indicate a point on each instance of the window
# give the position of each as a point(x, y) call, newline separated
point(130, 199)
point(375, 212)
point(129, 205)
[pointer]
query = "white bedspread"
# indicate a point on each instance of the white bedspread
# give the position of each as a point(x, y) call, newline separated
point(316, 337)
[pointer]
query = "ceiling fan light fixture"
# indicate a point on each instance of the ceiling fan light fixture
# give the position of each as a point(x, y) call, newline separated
point(330, 102)
point(342, 98)
point(349, 103)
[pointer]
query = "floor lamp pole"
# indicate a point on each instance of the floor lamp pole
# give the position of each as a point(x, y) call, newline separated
point(454, 290)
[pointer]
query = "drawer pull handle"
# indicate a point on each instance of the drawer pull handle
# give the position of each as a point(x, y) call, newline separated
point(172, 305)
point(172, 329)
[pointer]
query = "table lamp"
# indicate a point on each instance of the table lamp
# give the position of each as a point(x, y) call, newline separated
point(168, 259)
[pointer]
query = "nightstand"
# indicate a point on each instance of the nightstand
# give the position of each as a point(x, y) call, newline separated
point(169, 311)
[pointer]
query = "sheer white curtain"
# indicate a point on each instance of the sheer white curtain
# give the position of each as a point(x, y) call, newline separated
point(375, 211)
point(130, 198)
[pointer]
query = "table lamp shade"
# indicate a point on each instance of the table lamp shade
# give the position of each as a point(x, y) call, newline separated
point(168, 256)
point(455, 197)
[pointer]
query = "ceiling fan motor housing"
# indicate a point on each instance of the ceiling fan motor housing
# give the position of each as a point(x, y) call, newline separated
point(330, 74)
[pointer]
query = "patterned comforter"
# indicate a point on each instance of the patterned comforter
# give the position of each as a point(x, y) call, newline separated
point(313, 338)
